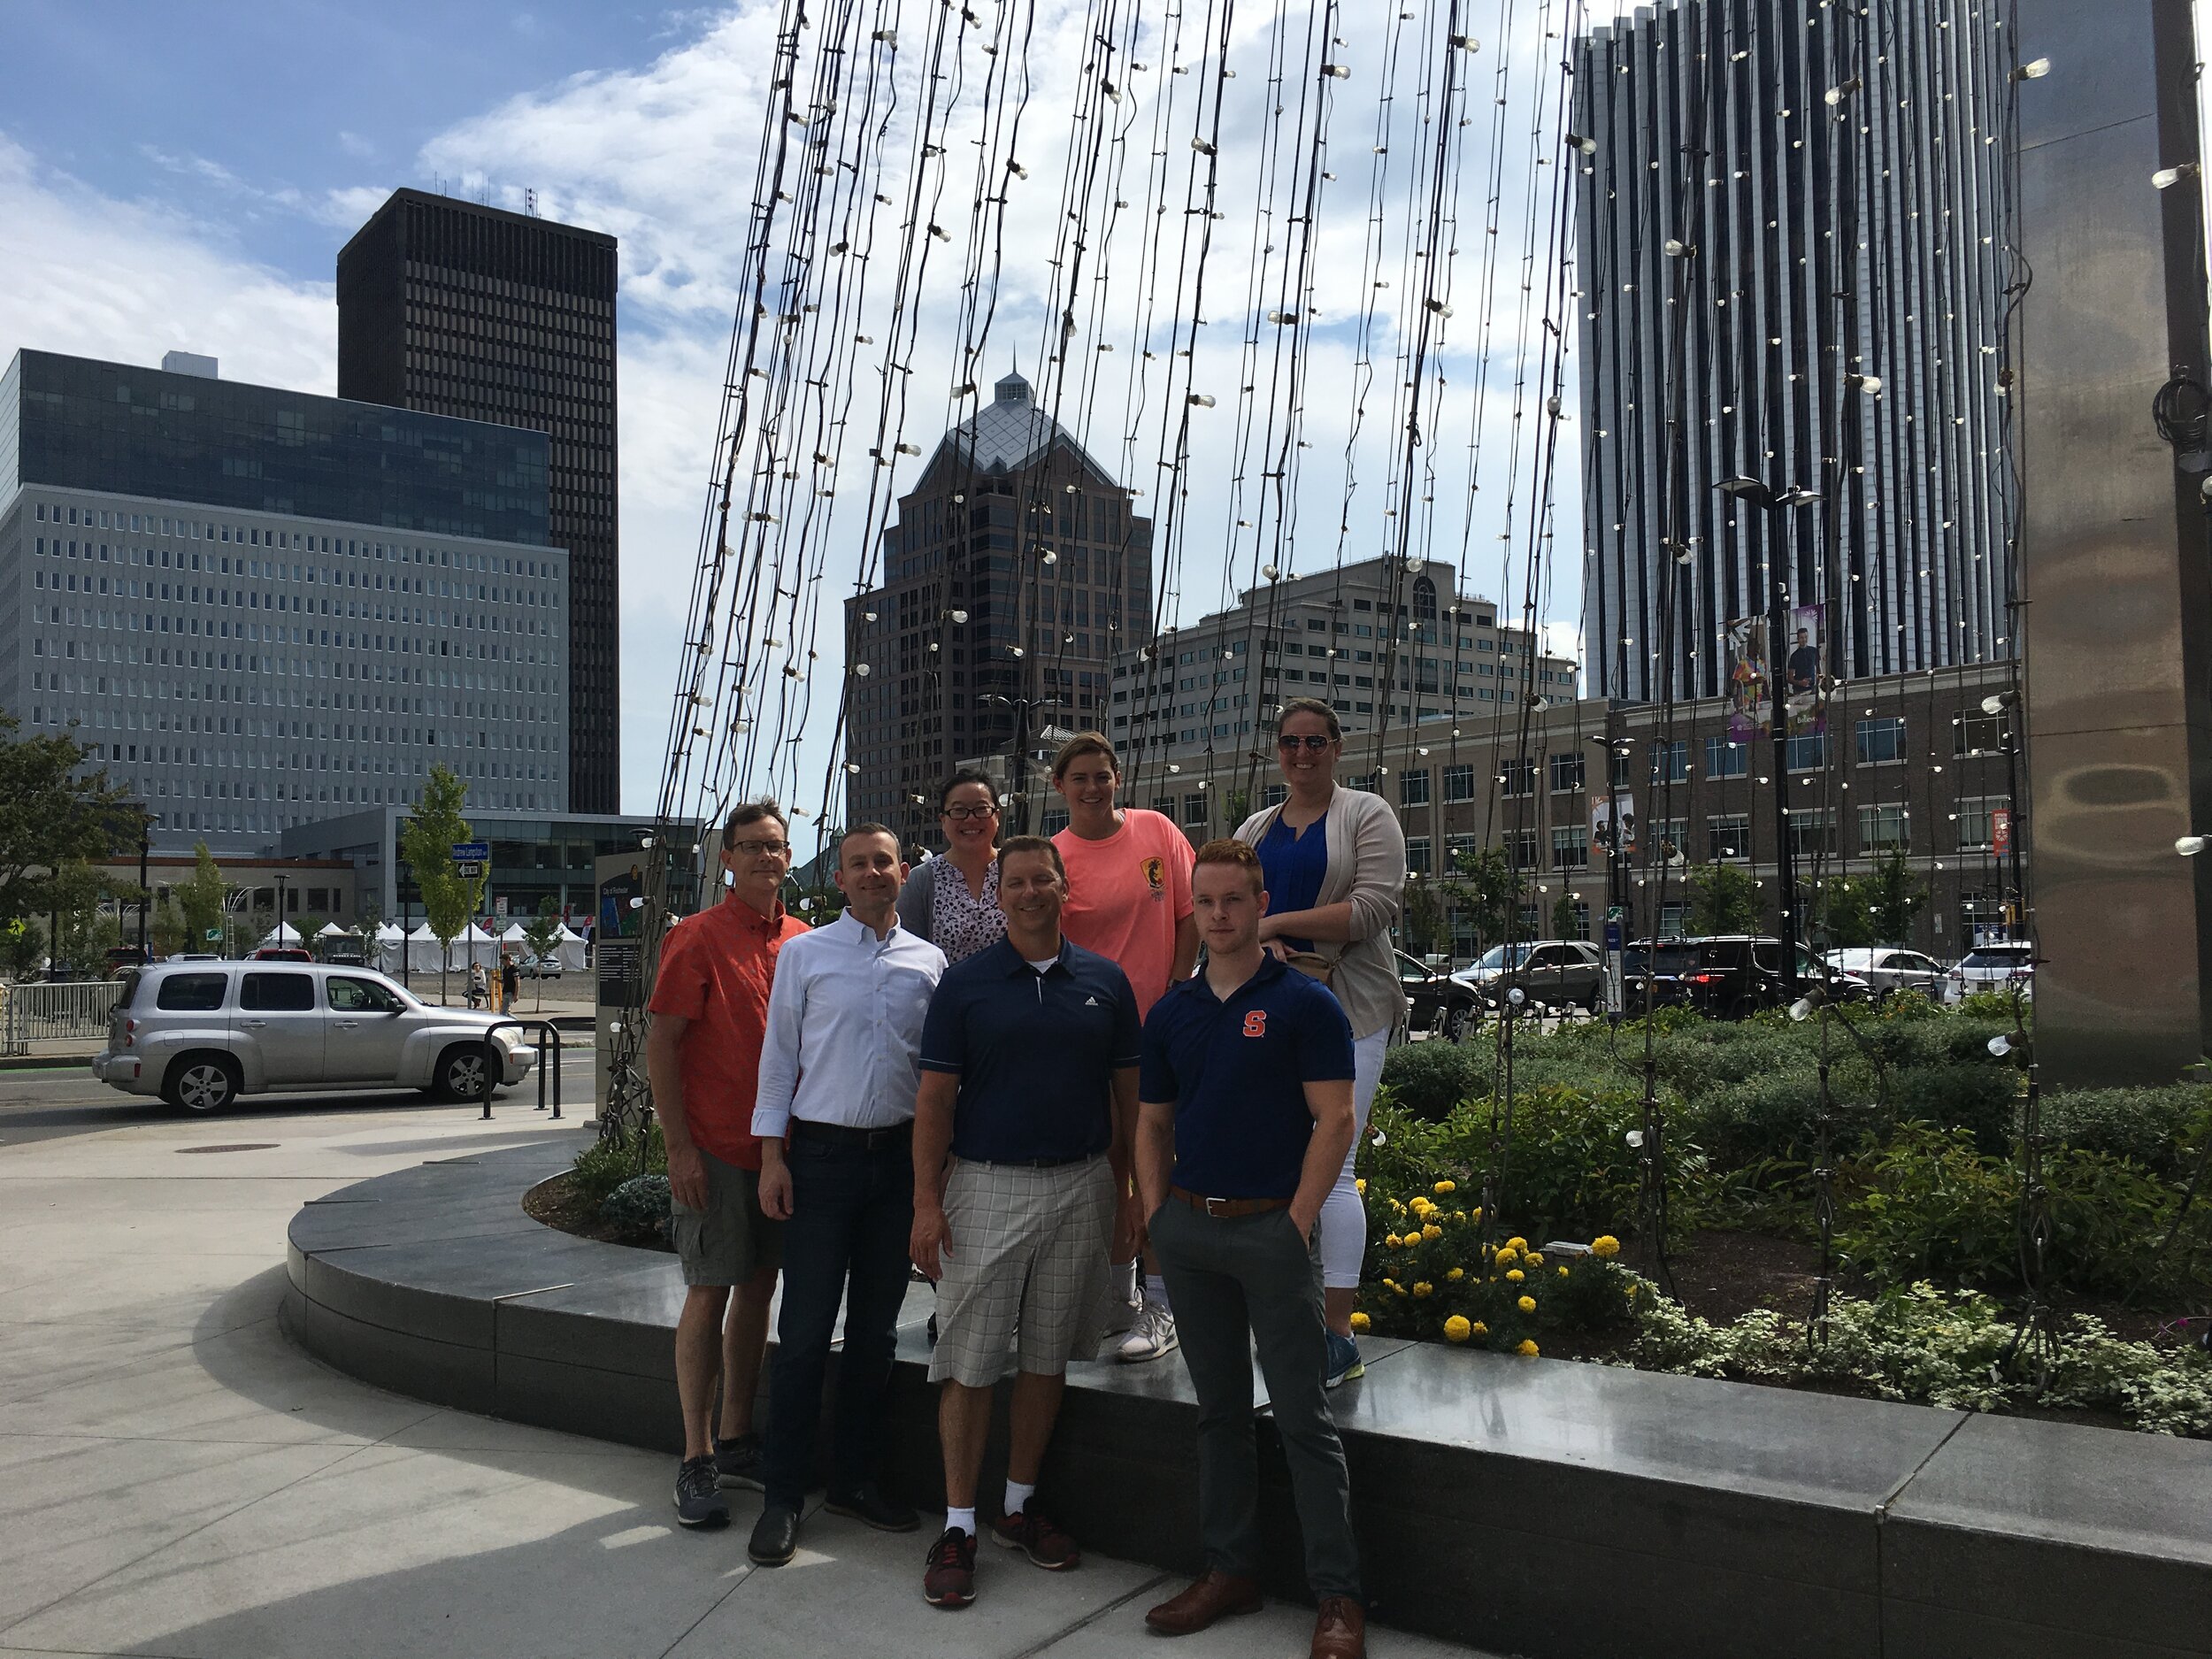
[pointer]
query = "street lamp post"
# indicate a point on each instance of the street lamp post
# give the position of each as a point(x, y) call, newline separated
point(1018, 775)
point(281, 880)
point(145, 822)
point(1752, 492)
point(1616, 750)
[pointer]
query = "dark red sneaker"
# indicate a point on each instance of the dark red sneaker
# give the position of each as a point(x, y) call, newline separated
point(949, 1575)
point(1040, 1540)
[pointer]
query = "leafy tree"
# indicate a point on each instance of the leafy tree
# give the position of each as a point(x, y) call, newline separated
point(200, 899)
point(1485, 891)
point(166, 936)
point(22, 946)
point(310, 927)
point(85, 929)
point(1723, 899)
point(1566, 920)
point(543, 931)
point(1874, 908)
point(449, 898)
point(367, 913)
point(1422, 922)
point(51, 814)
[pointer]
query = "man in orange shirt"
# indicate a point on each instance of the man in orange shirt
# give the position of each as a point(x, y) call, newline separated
point(1129, 900)
point(710, 1010)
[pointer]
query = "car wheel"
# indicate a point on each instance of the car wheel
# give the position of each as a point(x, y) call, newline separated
point(462, 1073)
point(1455, 1022)
point(1743, 1008)
point(201, 1082)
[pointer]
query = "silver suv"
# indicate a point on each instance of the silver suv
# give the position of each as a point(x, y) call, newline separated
point(201, 1033)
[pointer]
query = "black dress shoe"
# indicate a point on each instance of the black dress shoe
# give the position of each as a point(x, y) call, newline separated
point(775, 1536)
point(867, 1504)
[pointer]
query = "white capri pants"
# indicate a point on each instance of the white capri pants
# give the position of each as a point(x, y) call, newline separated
point(1343, 1216)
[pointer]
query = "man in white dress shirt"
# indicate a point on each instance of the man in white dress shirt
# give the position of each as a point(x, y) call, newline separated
point(835, 1120)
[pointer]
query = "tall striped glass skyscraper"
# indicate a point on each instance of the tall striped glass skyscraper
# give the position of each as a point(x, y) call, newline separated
point(1792, 266)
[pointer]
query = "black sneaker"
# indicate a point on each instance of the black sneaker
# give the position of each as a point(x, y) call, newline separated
point(867, 1504)
point(775, 1536)
point(948, 1574)
point(737, 1462)
point(698, 1503)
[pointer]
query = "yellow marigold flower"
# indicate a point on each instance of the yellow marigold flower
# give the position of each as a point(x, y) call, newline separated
point(1431, 1231)
point(1423, 1288)
point(1535, 1260)
point(1517, 1244)
point(1442, 1187)
point(1605, 1244)
point(1481, 1329)
point(1392, 1283)
point(1360, 1186)
point(1528, 1350)
point(1475, 1214)
point(1360, 1322)
point(1514, 1276)
point(1562, 1272)
point(1456, 1329)
point(1507, 1253)
point(1390, 1240)
point(1527, 1304)
point(1456, 1274)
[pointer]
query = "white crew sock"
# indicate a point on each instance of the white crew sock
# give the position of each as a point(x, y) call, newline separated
point(1155, 1290)
point(1017, 1496)
point(961, 1520)
point(1125, 1281)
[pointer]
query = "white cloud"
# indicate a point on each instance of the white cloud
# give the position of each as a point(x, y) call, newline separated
point(359, 148)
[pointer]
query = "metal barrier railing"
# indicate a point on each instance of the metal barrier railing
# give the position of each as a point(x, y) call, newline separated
point(67, 1012)
point(548, 1043)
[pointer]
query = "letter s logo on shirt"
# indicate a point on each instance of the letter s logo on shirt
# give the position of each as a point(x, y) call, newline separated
point(1255, 1022)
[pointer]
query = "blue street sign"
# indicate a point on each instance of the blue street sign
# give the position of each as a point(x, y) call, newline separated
point(476, 850)
point(1612, 936)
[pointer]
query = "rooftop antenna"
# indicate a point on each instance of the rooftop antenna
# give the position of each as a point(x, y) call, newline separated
point(530, 201)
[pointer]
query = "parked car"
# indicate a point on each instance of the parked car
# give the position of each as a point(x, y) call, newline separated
point(1557, 973)
point(1729, 976)
point(1997, 966)
point(1434, 994)
point(344, 952)
point(201, 1033)
point(1885, 968)
point(547, 967)
point(122, 958)
point(283, 953)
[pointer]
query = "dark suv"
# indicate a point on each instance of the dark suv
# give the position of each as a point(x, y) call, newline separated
point(1729, 976)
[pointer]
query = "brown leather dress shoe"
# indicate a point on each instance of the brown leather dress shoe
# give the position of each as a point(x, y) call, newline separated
point(1339, 1630)
point(1217, 1595)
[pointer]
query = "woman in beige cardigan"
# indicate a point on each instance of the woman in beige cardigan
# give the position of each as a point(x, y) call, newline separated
point(1335, 860)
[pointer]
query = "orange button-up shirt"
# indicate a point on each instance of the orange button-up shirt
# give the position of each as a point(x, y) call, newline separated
point(714, 971)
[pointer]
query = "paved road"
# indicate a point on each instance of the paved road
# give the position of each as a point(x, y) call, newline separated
point(177, 1480)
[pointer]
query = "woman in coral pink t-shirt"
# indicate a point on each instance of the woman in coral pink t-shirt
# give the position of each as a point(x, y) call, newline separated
point(1129, 900)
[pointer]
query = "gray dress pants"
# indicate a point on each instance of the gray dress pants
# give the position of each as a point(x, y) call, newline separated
point(1228, 1277)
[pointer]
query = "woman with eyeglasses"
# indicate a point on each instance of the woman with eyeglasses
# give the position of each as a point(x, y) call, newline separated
point(952, 901)
point(1335, 863)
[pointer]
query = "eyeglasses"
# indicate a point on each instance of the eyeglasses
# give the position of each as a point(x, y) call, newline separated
point(761, 849)
point(1313, 743)
point(961, 814)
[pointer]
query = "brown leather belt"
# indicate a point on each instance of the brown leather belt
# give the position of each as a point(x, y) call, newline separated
point(1227, 1206)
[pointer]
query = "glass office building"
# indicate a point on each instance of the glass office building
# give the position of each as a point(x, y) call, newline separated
point(265, 607)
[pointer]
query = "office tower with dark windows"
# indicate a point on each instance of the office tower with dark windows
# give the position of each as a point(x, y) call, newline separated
point(457, 309)
point(1792, 268)
point(1013, 575)
point(262, 609)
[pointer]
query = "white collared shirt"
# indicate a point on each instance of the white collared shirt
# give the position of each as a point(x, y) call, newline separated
point(845, 1028)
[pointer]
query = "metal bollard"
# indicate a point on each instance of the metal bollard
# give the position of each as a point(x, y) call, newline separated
point(493, 1069)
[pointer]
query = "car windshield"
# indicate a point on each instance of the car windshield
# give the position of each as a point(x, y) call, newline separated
point(1669, 956)
point(1499, 958)
point(2002, 956)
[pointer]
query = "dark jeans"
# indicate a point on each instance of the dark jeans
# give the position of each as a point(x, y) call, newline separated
point(1226, 1276)
point(852, 1208)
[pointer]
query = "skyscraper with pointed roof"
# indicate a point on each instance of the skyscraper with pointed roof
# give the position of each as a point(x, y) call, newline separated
point(1015, 573)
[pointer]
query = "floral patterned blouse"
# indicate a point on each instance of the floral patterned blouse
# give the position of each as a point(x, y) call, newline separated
point(962, 924)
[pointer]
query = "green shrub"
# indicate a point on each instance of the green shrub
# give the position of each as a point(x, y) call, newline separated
point(639, 1205)
point(2159, 1128)
point(1428, 1078)
point(605, 1164)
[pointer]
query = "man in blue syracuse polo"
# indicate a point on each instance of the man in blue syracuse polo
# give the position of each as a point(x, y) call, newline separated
point(1245, 1119)
point(1021, 1168)
point(835, 1114)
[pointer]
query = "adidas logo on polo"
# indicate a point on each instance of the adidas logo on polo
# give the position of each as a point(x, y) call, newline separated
point(1090, 1001)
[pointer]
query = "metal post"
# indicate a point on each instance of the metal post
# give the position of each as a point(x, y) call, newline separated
point(145, 892)
point(1785, 853)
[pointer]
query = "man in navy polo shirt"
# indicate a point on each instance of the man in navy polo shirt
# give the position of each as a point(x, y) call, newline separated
point(1245, 1120)
point(1029, 1083)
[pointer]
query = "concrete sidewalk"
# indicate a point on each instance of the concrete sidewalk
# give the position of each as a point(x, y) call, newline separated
point(175, 1479)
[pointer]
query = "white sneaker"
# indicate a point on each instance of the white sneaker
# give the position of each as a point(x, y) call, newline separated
point(1151, 1335)
point(1120, 1315)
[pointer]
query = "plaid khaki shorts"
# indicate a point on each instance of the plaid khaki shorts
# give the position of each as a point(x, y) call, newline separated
point(1029, 1255)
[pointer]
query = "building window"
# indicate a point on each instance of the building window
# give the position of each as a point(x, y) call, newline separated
point(1413, 788)
point(1973, 824)
point(1670, 762)
point(1807, 753)
point(1881, 740)
point(1812, 832)
point(1520, 849)
point(1725, 759)
point(1459, 783)
point(1566, 773)
point(1056, 820)
point(1670, 835)
point(1459, 852)
point(1581, 907)
point(1571, 847)
point(1274, 795)
point(1416, 854)
point(1194, 808)
point(1978, 735)
point(1884, 829)
point(1728, 836)
point(1517, 778)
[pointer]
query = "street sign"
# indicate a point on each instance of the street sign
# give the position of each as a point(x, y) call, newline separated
point(2001, 831)
point(499, 905)
point(1612, 936)
point(214, 933)
point(470, 858)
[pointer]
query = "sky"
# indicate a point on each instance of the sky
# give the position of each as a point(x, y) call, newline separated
point(182, 178)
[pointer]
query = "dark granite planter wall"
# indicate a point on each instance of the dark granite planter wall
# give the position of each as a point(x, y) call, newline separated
point(1533, 1507)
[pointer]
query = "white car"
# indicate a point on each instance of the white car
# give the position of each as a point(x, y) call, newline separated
point(200, 1035)
point(548, 967)
point(1885, 968)
point(1994, 967)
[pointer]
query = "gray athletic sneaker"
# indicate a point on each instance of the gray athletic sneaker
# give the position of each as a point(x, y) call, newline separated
point(737, 1462)
point(698, 1501)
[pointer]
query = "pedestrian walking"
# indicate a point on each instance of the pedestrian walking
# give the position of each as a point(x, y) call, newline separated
point(510, 983)
point(835, 1116)
point(1335, 864)
point(1246, 1117)
point(480, 987)
point(1021, 1186)
point(709, 1013)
